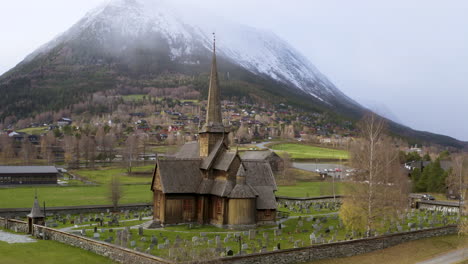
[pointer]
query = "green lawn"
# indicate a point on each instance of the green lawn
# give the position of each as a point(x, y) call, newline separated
point(300, 151)
point(104, 175)
point(310, 189)
point(410, 252)
point(34, 130)
point(134, 97)
point(73, 195)
point(47, 251)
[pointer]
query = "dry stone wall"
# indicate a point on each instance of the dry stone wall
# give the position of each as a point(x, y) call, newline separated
point(336, 250)
point(116, 253)
point(297, 255)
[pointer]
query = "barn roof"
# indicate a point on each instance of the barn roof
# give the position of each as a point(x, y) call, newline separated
point(179, 175)
point(27, 169)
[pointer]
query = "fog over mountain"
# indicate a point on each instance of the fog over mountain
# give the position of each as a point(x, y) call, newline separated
point(182, 31)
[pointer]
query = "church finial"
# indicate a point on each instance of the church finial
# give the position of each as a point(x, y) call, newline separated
point(214, 42)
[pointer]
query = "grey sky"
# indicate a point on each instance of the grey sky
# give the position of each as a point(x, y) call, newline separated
point(409, 57)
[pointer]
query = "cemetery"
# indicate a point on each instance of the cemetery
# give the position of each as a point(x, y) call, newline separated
point(300, 224)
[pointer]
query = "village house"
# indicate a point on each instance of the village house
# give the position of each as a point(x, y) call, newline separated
point(208, 183)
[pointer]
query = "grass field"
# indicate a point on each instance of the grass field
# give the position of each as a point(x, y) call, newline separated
point(300, 151)
point(134, 97)
point(104, 175)
point(410, 252)
point(34, 130)
point(22, 197)
point(310, 189)
point(47, 251)
point(68, 196)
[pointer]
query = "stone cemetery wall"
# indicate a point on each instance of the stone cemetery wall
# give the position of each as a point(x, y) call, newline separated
point(22, 212)
point(338, 249)
point(14, 225)
point(328, 198)
point(440, 206)
point(114, 252)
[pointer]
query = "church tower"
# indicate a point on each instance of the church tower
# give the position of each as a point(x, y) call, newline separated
point(213, 130)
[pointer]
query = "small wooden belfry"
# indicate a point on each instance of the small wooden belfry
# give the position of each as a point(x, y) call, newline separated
point(36, 217)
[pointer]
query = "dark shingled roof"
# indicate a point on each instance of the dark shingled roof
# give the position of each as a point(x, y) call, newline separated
point(259, 173)
point(224, 161)
point(27, 169)
point(208, 161)
point(256, 154)
point(205, 186)
point(243, 191)
point(266, 197)
point(222, 188)
point(190, 150)
point(261, 178)
point(180, 175)
point(36, 211)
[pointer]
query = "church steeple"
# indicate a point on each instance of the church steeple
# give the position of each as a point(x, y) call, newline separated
point(213, 130)
point(214, 121)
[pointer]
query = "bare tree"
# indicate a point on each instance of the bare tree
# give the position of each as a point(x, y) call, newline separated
point(7, 149)
point(28, 152)
point(457, 181)
point(115, 191)
point(380, 187)
point(131, 151)
point(47, 144)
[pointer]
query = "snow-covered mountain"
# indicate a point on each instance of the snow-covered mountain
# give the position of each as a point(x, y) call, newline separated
point(120, 25)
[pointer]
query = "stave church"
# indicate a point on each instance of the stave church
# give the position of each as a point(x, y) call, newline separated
point(206, 182)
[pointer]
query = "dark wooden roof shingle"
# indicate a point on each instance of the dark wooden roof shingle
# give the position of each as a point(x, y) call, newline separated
point(179, 175)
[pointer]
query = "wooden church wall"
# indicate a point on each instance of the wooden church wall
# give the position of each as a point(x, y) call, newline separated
point(241, 212)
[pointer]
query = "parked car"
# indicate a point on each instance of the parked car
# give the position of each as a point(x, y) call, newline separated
point(428, 197)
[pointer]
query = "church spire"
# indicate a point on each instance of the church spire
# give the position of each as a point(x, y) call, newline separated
point(214, 119)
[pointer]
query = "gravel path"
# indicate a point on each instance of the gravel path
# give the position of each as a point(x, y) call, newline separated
point(448, 258)
point(14, 238)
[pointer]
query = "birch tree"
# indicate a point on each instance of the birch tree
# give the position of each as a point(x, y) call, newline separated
point(379, 186)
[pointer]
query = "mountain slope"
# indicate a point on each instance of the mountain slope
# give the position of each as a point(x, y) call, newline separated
point(154, 43)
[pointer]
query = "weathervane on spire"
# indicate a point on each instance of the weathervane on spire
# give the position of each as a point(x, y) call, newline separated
point(214, 42)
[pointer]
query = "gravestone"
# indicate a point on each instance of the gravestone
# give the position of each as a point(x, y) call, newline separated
point(230, 253)
point(277, 232)
point(96, 235)
point(252, 234)
point(140, 231)
point(154, 240)
point(132, 243)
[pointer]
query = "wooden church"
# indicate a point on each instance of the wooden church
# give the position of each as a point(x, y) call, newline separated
point(207, 183)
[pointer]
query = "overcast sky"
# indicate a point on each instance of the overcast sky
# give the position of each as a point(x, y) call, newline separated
point(408, 59)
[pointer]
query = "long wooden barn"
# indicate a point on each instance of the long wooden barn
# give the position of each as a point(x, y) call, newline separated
point(14, 175)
